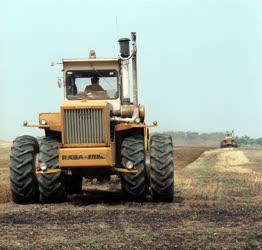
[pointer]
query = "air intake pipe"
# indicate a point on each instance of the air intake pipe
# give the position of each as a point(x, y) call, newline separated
point(124, 47)
point(125, 56)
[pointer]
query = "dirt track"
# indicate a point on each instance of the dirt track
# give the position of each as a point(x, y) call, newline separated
point(216, 207)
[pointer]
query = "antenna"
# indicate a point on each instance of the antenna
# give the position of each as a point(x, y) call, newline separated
point(117, 29)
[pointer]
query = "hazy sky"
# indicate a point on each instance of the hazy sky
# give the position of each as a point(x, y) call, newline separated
point(199, 61)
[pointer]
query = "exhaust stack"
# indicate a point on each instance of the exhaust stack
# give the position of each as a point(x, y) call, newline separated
point(134, 68)
point(125, 53)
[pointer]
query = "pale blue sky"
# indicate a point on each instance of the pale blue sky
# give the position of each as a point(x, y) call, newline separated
point(199, 61)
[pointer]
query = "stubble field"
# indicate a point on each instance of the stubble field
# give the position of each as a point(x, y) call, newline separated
point(217, 205)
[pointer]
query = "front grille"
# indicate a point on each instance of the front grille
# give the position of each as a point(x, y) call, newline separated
point(84, 126)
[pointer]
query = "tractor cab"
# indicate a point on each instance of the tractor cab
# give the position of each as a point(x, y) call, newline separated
point(92, 79)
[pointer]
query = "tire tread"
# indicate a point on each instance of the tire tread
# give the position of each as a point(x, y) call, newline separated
point(23, 180)
point(51, 186)
point(134, 185)
point(162, 168)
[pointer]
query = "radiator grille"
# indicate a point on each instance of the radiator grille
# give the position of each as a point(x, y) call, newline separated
point(84, 126)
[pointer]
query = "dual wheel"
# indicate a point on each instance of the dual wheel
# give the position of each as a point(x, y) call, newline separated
point(159, 180)
point(26, 186)
point(233, 145)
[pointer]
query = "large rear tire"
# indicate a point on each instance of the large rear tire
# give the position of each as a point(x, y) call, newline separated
point(162, 168)
point(23, 181)
point(51, 186)
point(134, 184)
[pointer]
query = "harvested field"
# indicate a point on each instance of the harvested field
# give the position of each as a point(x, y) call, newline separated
point(218, 205)
point(4, 180)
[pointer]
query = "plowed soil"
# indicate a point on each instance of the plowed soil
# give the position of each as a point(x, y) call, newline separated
point(217, 205)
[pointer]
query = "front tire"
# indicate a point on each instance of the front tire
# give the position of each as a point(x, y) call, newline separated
point(134, 184)
point(162, 168)
point(24, 186)
point(51, 186)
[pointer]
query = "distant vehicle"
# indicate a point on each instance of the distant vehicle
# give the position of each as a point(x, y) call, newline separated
point(229, 141)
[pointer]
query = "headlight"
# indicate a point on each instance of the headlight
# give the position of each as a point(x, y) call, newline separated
point(43, 166)
point(129, 165)
point(43, 122)
point(137, 120)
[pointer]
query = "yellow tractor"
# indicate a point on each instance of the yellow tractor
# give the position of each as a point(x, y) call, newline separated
point(229, 141)
point(99, 132)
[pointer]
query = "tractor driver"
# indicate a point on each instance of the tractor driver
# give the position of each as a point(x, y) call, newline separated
point(94, 85)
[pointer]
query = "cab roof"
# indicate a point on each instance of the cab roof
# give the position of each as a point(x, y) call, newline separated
point(89, 61)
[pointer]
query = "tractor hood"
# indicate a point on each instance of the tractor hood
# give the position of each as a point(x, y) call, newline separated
point(85, 123)
point(76, 104)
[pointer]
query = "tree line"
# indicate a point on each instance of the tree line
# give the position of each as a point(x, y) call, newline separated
point(207, 139)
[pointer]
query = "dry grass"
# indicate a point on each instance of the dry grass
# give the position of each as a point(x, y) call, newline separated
point(222, 175)
point(4, 174)
point(5, 195)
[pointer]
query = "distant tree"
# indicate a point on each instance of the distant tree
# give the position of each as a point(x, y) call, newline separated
point(259, 141)
point(245, 140)
point(207, 139)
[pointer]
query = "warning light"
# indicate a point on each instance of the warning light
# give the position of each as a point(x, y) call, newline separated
point(92, 54)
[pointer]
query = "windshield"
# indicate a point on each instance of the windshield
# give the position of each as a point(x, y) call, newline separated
point(92, 84)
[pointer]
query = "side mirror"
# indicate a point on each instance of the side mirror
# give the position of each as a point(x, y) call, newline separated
point(59, 82)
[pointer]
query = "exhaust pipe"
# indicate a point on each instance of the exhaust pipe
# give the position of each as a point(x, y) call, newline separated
point(125, 53)
point(134, 68)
